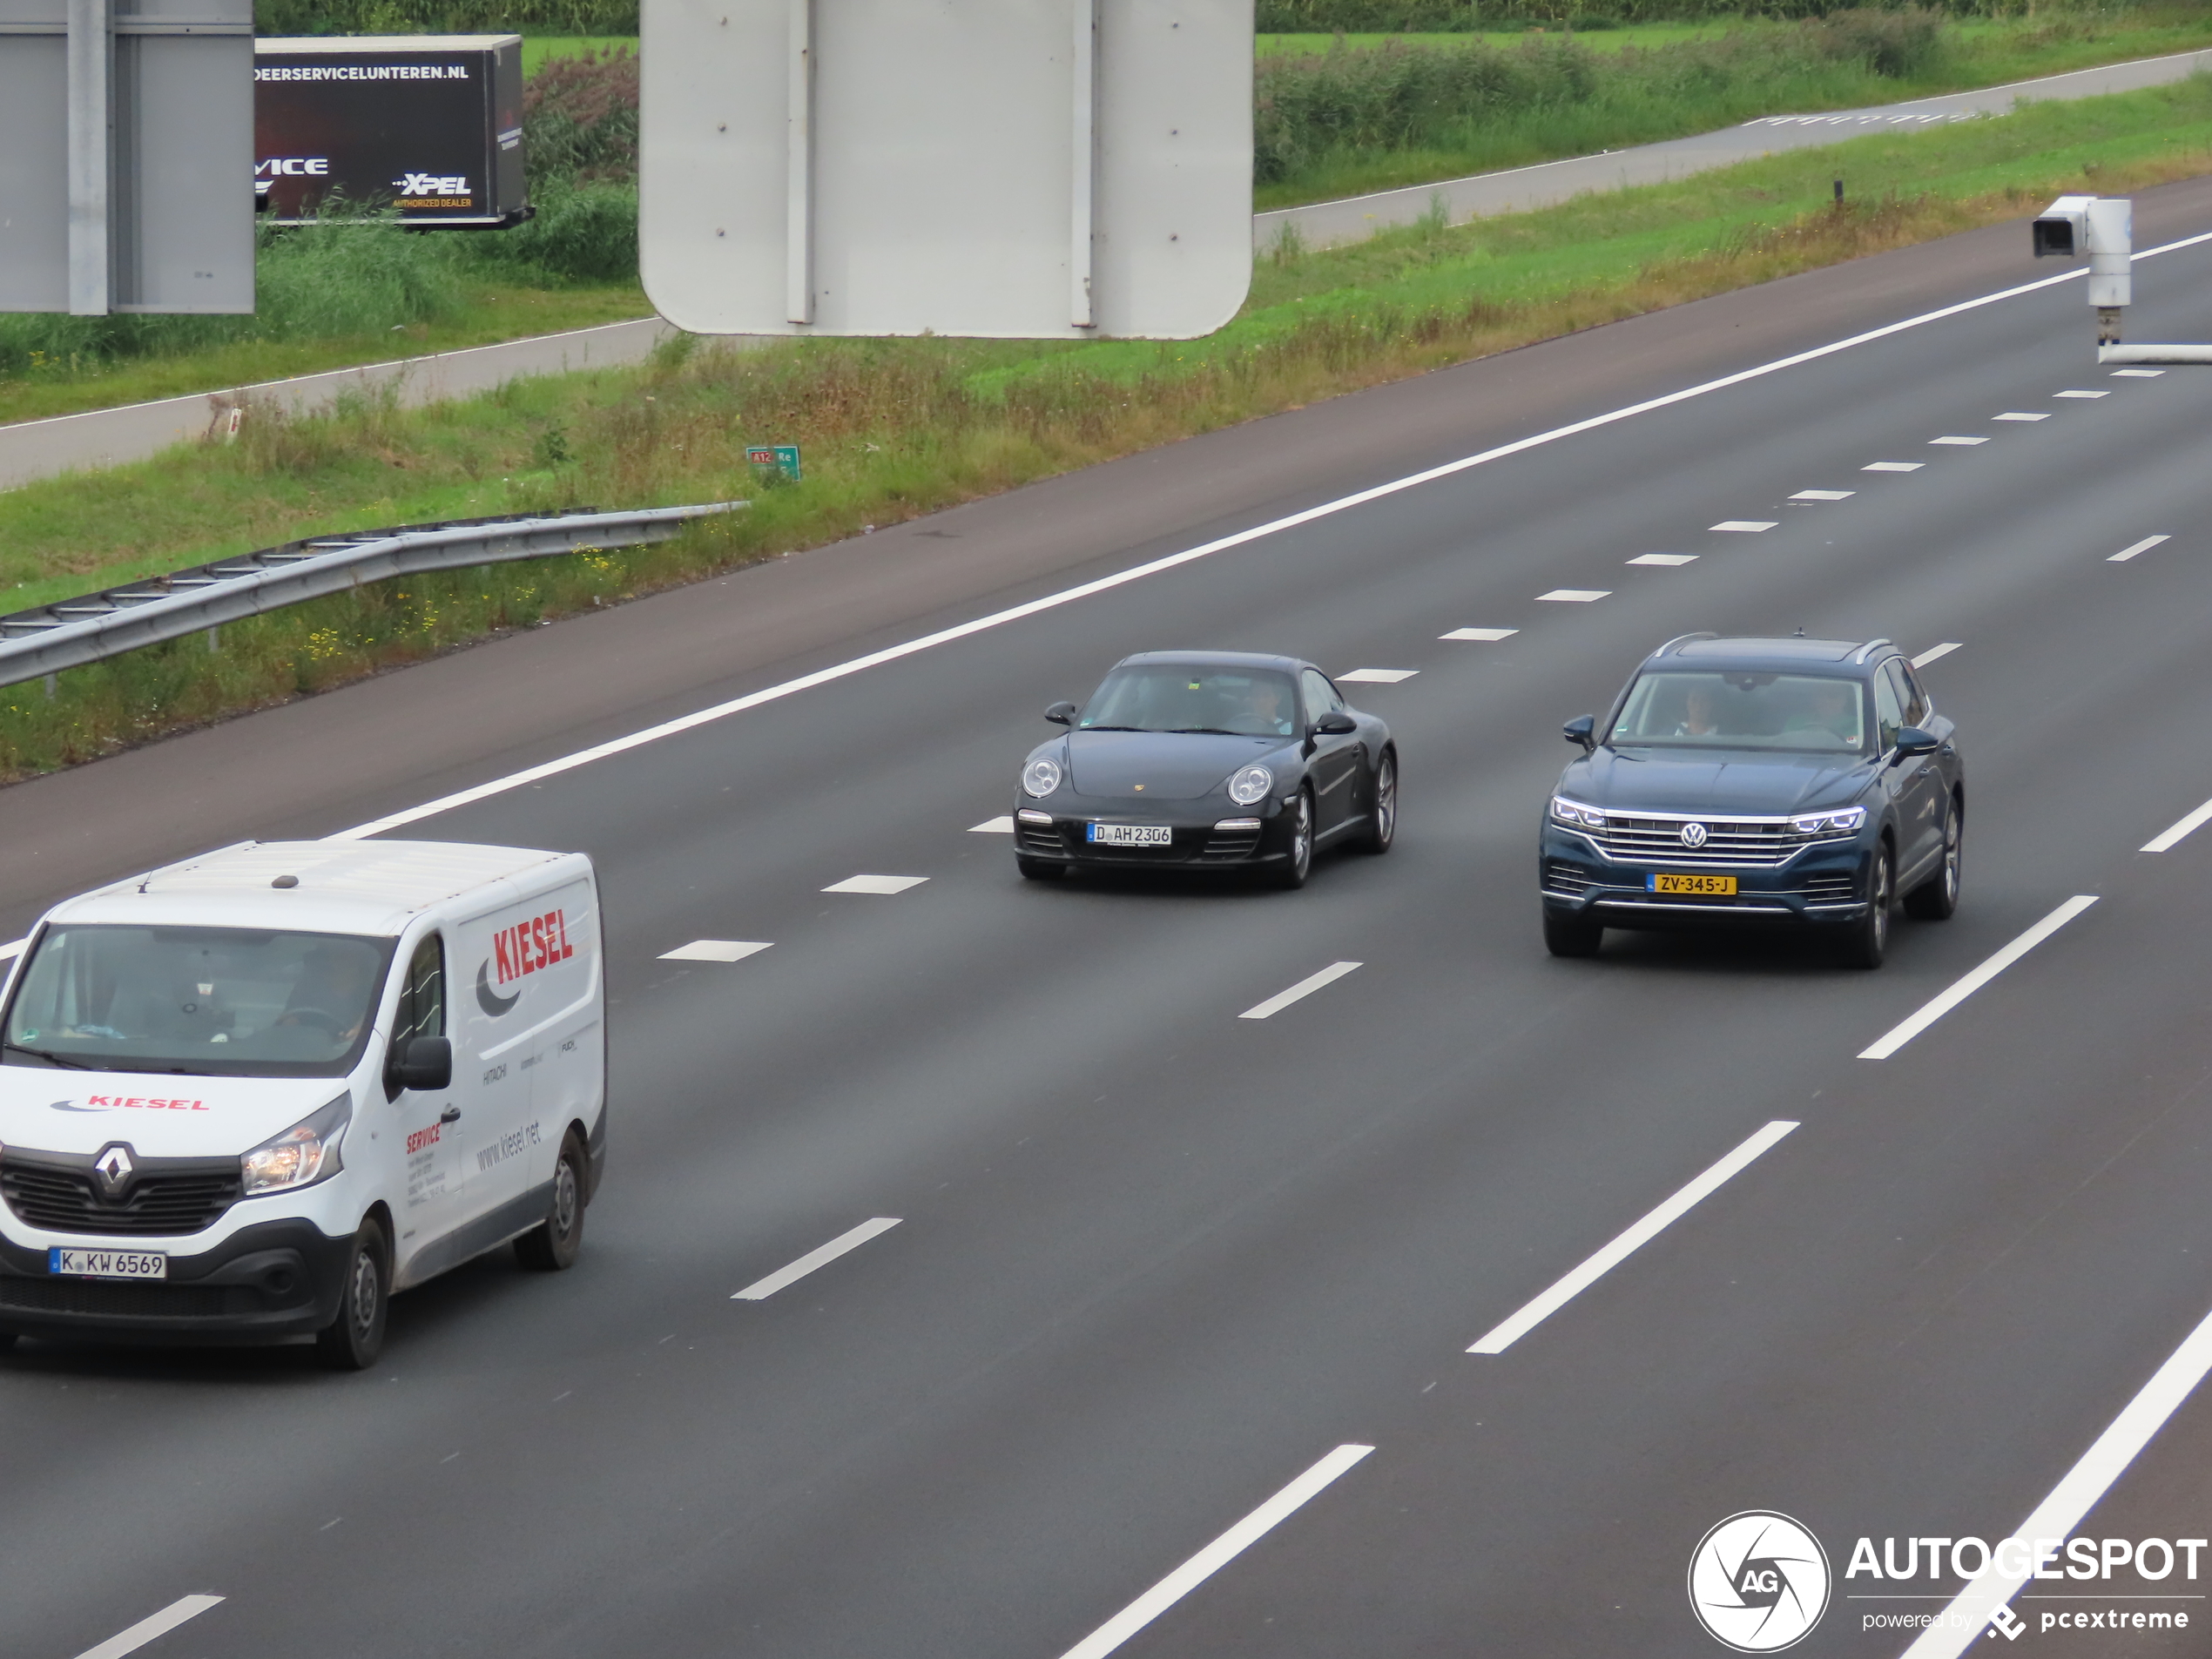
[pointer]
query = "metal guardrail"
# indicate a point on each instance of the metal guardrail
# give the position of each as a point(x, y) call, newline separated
point(74, 631)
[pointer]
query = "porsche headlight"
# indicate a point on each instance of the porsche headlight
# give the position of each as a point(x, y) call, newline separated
point(1041, 777)
point(1250, 786)
point(1844, 822)
point(1573, 811)
point(302, 1156)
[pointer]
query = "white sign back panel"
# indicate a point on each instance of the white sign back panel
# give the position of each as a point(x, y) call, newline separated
point(1007, 168)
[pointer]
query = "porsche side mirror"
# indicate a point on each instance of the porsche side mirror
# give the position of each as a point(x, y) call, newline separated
point(1061, 714)
point(1581, 729)
point(1335, 724)
point(1911, 741)
point(426, 1062)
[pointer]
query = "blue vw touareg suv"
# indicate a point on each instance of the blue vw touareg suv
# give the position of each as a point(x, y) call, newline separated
point(1757, 780)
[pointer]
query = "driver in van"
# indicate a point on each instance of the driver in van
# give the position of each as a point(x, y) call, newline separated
point(331, 994)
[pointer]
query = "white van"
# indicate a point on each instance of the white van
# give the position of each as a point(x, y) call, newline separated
point(250, 1095)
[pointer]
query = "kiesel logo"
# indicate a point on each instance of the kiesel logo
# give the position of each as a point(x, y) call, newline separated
point(527, 948)
point(127, 1104)
point(1758, 1582)
point(294, 166)
point(431, 184)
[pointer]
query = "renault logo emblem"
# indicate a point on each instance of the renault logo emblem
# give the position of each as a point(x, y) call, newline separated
point(1693, 835)
point(113, 1167)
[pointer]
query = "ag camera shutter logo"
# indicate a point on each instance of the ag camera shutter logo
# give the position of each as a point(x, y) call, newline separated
point(1759, 1581)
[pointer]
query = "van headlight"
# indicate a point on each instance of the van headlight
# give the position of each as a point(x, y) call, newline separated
point(1041, 777)
point(304, 1154)
point(1250, 786)
point(1845, 821)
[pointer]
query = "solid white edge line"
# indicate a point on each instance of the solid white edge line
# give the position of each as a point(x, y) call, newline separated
point(1217, 1555)
point(160, 1624)
point(1273, 527)
point(761, 1289)
point(13, 947)
point(2181, 831)
point(1304, 987)
point(1501, 1337)
point(1935, 652)
point(2078, 1493)
point(2143, 546)
point(1929, 1011)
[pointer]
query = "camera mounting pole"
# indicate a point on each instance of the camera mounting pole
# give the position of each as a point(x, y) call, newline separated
point(2103, 228)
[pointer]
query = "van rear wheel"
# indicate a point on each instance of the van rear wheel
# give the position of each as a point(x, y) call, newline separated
point(352, 1341)
point(555, 1243)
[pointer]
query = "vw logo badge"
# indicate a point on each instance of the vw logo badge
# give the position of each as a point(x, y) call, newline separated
point(114, 1167)
point(1693, 835)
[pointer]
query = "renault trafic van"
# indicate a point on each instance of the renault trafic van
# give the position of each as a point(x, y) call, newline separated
point(250, 1095)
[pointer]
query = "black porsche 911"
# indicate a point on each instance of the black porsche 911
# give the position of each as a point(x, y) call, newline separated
point(1204, 760)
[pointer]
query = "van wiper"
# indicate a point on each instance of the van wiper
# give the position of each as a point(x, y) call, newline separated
point(53, 1058)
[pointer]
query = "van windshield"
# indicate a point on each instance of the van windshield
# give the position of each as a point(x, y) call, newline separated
point(217, 1002)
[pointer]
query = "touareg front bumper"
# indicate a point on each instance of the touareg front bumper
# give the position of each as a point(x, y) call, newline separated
point(1825, 882)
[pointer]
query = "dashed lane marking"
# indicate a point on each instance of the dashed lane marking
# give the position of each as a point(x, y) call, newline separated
point(1934, 652)
point(1823, 495)
point(1002, 825)
point(2143, 546)
point(2181, 831)
point(12, 948)
point(1929, 1011)
point(1377, 676)
point(1480, 633)
point(875, 884)
point(1957, 440)
point(715, 950)
point(2016, 415)
point(1747, 526)
point(1573, 595)
point(2136, 374)
point(761, 1289)
point(1667, 559)
point(1304, 987)
point(1893, 466)
point(2081, 395)
point(160, 1624)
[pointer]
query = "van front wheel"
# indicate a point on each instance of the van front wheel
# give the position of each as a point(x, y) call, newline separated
point(555, 1243)
point(352, 1341)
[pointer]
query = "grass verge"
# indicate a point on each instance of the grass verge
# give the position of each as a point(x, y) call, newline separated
point(896, 428)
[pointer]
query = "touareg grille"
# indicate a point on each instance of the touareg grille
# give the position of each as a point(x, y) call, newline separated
point(1733, 842)
point(1841, 888)
point(66, 1200)
point(126, 1299)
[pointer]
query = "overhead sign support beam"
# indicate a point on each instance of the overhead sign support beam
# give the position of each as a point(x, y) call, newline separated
point(1083, 186)
point(90, 59)
point(799, 186)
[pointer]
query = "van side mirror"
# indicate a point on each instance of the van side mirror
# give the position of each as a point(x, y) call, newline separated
point(1912, 740)
point(426, 1063)
point(1335, 724)
point(1581, 729)
point(1061, 714)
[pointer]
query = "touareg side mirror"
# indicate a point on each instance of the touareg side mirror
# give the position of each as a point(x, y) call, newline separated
point(425, 1063)
point(1581, 729)
point(1335, 724)
point(1912, 740)
point(1061, 714)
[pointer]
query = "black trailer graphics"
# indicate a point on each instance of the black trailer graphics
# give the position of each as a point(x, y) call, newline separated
point(430, 124)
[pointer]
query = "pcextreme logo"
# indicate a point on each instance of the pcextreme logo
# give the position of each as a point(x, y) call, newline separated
point(1758, 1581)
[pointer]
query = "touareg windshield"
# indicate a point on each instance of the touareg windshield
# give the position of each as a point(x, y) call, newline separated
point(221, 1001)
point(1170, 696)
point(1734, 708)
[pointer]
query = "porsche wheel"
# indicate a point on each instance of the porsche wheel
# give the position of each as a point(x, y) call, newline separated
point(1382, 824)
point(1300, 865)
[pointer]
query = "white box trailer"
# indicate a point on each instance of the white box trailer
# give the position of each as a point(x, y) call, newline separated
point(248, 1096)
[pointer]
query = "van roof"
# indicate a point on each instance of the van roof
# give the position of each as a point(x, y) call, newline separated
point(371, 888)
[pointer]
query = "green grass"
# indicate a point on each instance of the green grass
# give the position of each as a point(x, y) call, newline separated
point(895, 429)
point(538, 47)
point(1645, 34)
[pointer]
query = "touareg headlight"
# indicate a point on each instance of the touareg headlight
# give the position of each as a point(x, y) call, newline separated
point(1845, 821)
point(1571, 811)
point(1250, 786)
point(1041, 777)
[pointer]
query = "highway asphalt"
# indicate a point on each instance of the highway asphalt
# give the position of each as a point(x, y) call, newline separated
point(1153, 1262)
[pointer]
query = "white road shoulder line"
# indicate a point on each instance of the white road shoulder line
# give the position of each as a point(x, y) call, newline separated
point(1002, 825)
point(715, 950)
point(1491, 634)
point(1935, 652)
point(2077, 1493)
point(13, 947)
point(2143, 546)
point(1957, 440)
point(1893, 466)
point(160, 1624)
point(875, 884)
point(1573, 595)
point(1504, 1335)
point(2181, 832)
point(1217, 1555)
point(1257, 532)
point(1304, 987)
point(1898, 1036)
point(761, 1289)
point(1377, 676)
point(1747, 526)
point(1823, 495)
point(1670, 560)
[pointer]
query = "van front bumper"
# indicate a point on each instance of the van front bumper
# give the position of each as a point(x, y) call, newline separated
point(263, 1282)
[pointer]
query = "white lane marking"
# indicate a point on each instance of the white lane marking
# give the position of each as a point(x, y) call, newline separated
point(1934, 652)
point(2181, 831)
point(1957, 440)
point(1304, 987)
point(1002, 825)
point(1217, 1555)
point(1894, 466)
point(13, 947)
point(875, 884)
point(2077, 1493)
point(1377, 676)
point(715, 950)
point(2143, 546)
point(1898, 1036)
point(1823, 495)
point(2081, 395)
point(1747, 526)
point(2016, 416)
point(761, 1289)
point(1480, 633)
point(2136, 374)
point(1667, 559)
point(1573, 595)
point(1257, 532)
point(160, 1624)
point(1504, 1335)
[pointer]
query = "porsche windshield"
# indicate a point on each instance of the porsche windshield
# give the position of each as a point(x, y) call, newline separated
point(217, 1000)
point(1734, 708)
point(1171, 697)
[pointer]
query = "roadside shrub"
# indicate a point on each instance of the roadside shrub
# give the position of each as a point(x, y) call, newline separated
point(580, 119)
point(445, 16)
point(587, 235)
